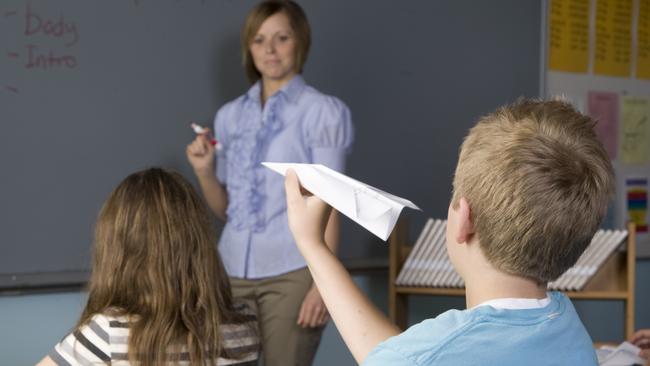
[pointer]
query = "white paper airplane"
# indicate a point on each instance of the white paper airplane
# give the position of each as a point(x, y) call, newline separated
point(368, 206)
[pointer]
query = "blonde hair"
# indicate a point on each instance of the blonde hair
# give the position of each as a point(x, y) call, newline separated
point(155, 261)
point(538, 183)
point(257, 16)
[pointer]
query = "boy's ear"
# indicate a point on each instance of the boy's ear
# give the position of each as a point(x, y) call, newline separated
point(465, 224)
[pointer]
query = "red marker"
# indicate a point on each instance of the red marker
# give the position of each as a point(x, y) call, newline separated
point(201, 131)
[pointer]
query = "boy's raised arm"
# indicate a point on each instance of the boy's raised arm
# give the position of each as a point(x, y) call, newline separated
point(360, 323)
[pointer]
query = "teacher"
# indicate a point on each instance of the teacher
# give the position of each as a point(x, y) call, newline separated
point(279, 119)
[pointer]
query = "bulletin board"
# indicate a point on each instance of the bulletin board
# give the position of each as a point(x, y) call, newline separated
point(596, 54)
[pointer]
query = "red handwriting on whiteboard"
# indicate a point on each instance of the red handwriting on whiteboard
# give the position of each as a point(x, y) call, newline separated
point(36, 59)
point(55, 27)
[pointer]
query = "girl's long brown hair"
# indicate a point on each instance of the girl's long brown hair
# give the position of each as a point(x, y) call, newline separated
point(155, 261)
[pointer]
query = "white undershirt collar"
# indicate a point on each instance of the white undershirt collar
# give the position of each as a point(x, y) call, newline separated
point(516, 303)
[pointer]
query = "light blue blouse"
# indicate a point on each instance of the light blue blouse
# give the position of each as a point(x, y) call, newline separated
point(298, 124)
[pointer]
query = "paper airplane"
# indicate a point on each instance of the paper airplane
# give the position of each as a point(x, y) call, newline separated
point(368, 206)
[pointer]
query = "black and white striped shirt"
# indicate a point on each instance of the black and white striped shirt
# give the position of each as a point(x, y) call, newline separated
point(105, 339)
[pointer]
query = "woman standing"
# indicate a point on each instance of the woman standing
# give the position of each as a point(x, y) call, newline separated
point(279, 119)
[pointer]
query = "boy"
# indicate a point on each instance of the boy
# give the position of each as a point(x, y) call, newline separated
point(531, 187)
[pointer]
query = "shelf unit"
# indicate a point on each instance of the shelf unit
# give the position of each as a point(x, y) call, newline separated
point(613, 281)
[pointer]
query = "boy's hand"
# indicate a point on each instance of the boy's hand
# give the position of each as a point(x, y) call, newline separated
point(308, 214)
point(642, 340)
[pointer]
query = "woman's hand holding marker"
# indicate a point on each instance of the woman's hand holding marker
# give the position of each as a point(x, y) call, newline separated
point(201, 151)
point(206, 132)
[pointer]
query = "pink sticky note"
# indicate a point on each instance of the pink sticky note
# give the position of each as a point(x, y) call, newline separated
point(603, 107)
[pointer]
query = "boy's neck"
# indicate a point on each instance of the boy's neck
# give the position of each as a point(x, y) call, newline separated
point(493, 284)
point(483, 281)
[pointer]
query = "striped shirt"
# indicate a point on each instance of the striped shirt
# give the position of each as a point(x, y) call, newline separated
point(105, 339)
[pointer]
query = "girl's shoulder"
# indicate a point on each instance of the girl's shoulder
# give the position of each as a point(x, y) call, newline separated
point(92, 342)
point(111, 321)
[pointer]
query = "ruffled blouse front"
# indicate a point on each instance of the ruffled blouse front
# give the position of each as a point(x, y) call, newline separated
point(245, 154)
point(297, 124)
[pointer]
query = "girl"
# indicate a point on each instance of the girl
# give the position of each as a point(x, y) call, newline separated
point(158, 293)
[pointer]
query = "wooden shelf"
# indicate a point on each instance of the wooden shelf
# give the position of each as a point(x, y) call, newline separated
point(613, 281)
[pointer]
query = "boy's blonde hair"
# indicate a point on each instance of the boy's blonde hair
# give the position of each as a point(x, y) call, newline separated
point(538, 183)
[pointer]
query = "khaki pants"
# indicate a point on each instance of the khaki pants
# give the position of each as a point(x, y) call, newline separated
point(278, 300)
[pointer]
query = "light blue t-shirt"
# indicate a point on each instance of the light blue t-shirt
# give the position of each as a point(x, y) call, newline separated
point(552, 335)
point(298, 124)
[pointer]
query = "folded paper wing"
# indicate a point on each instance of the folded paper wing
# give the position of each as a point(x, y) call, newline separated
point(370, 207)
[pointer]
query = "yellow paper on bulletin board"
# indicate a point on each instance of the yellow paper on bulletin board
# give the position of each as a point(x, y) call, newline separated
point(613, 38)
point(635, 130)
point(643, 40)
point(569, 35)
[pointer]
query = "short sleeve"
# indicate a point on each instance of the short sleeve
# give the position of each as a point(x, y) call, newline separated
point(221, 135)
point(84, 346)
point(330, 133)
point(382, 356)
